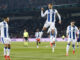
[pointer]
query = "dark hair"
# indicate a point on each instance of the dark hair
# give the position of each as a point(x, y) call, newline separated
point(50, 3)
point(4, 17)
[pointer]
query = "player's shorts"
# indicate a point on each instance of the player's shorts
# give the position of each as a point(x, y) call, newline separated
point(6, 40)
point(52, 39)
point(78, 40)
point(38, 39)
point(72, 40)
point(26, 38)
point(49, 24)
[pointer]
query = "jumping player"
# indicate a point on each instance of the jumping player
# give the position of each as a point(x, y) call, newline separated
point(37, 35)
point(51, 18)
point(5, 37)
point(72, 31)
point(52, 38)
point(78, 39)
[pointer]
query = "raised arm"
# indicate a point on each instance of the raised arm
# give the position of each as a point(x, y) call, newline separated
point(58, 16)
point(43, 14)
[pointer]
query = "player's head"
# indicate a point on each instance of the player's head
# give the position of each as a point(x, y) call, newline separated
point(25, 30)
point(37, 30)
point(6, 19)
point(72, 23)
point(50, 6)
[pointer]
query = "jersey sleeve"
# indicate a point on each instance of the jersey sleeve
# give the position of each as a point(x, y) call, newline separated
point(0, 25)
point(77, 31)
point(56, 31)
point(67, 31)
point(57, 13)
point(44, 14)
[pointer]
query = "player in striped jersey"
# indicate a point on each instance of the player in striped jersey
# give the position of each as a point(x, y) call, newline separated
point(78, 39)
point(51, 18)
point(52, 38)
point(5, 37)
point(37, 35)
point(72, 32)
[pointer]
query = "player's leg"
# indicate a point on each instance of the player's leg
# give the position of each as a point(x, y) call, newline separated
point(25, 41)
point(44, 28)
point(67, 47)
point(37, 43)
point(53, 46)
point(52, 27)
point(5, 51)
point(8, 51)
point(73, 45)
point(52, 43)
point(78, 43)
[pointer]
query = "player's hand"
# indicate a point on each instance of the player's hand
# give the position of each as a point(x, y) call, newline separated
point(60, 22)
point(42, 9)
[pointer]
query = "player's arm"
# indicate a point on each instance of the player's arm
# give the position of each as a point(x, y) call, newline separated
point(77, 31)
point(43, 14)
point(67, 31)
point(56, 32)
point(57, 13)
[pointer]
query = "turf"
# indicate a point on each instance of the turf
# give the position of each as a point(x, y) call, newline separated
point(19, 52)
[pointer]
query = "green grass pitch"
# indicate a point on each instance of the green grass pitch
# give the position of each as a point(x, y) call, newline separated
point(19, 52)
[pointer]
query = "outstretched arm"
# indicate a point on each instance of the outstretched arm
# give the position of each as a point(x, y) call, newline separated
point(58, 16)
point(43, 14)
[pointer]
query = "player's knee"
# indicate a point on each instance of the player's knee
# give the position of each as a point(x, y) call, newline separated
point(53, 42)
point(43, 29)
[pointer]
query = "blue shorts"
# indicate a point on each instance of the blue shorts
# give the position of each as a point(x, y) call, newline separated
point(78, 40)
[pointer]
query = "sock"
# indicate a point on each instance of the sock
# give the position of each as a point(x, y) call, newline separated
point(67, 48)
point(8, 52)
point(5, 51)
point(73, 47)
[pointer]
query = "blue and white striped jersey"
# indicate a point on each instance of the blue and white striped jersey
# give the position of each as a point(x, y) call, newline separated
point(72, 32)
point(51, 15)
point(4, 29)
point(37, 34)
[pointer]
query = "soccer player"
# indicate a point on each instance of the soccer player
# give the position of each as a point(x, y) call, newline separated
point(51, 18)
point(5, 37)
point(25, 35)
point(37, 35)
point(72, 31)
point(78, 39)
point(52, 38)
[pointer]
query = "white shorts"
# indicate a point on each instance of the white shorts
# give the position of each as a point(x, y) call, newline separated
point(72, 40)
point(49, 24)
point(6, 40)
point(52, 39)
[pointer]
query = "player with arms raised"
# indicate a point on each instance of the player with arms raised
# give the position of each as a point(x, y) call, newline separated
point(5, 37)
point(51, 18)
point(72, 32)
